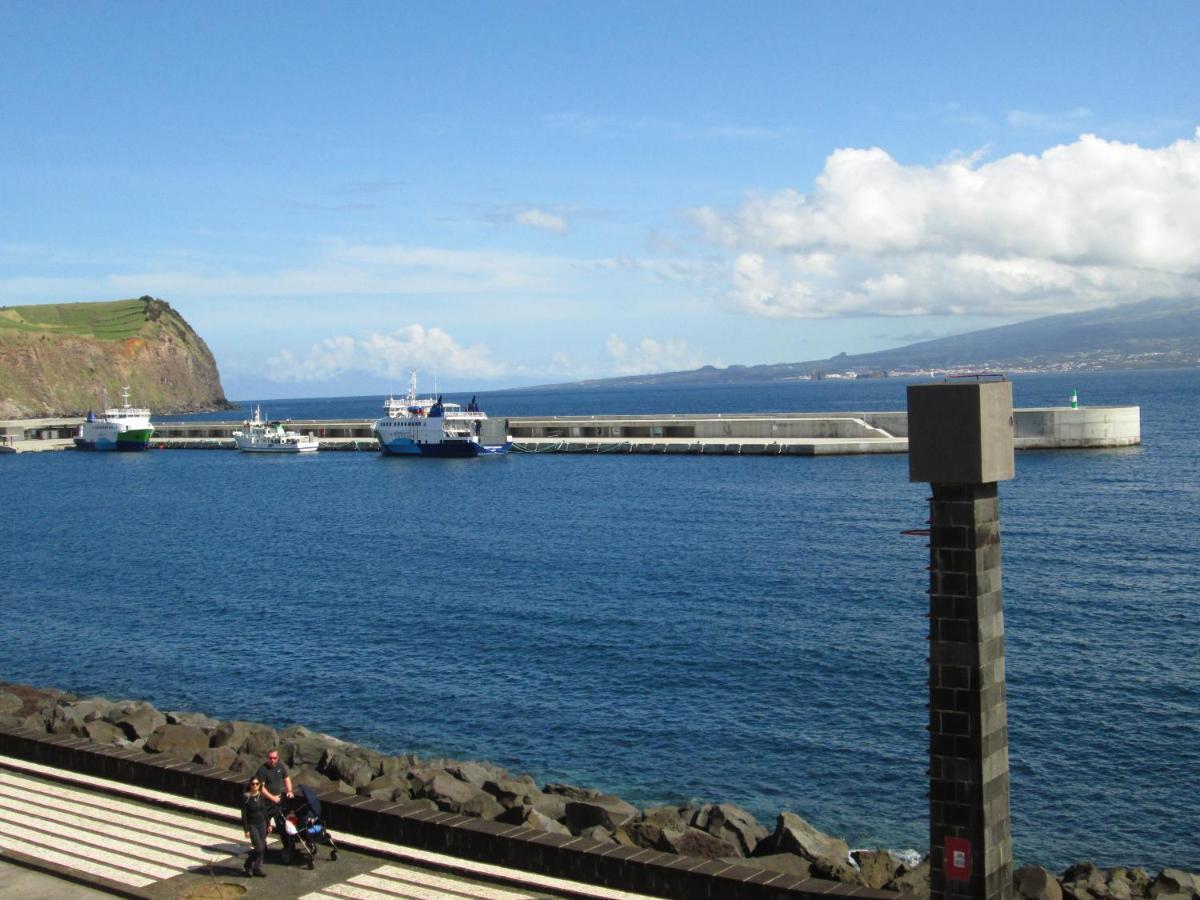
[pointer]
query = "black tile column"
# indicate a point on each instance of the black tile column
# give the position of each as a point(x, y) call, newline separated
point(968, 720)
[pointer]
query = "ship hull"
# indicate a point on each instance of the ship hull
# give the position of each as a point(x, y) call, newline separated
point(442, 450)
point(126, 441)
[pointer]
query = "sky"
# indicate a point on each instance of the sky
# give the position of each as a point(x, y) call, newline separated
point(513, 193)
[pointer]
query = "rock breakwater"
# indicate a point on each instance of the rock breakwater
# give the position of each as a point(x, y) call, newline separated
point(719, 831)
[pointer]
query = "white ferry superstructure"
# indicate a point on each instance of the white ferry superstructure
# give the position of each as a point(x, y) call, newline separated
point(120, 428)
point(413, 426)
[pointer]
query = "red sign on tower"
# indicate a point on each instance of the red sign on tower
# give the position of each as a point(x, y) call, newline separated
point(958, 859)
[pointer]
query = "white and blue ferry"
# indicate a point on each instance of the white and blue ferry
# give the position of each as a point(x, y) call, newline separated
point(413, 426)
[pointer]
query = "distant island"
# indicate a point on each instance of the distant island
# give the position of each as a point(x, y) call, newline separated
point(1157, 334)
point(62, 359)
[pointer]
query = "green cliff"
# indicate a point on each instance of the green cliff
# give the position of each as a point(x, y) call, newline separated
point(66, 358)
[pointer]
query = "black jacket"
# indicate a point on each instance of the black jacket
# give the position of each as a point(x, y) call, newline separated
point(255, 810)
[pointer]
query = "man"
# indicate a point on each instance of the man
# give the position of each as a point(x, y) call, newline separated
point(276, 785)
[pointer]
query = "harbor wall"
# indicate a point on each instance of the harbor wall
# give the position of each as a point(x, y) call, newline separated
point(798, 433)
point(1065, 427)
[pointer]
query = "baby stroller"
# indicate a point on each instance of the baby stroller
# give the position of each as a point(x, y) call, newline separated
point(305, 828)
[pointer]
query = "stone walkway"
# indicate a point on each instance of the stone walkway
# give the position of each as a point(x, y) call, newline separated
point(139, 843)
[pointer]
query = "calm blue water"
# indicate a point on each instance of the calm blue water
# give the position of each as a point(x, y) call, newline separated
point(667, 628)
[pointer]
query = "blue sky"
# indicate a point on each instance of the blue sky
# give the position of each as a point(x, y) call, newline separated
point(521, 193)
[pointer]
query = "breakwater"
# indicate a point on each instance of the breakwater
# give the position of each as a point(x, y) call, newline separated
point(775, 434)
point(719, 832)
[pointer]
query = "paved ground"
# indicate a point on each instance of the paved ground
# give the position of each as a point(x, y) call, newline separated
point(139, 843)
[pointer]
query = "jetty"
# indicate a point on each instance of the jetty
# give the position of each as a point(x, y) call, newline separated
point(761, 434)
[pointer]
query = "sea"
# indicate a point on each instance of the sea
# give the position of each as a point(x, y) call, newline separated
point(671, 629)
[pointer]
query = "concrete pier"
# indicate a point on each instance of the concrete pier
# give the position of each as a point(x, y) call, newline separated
point(771, 434)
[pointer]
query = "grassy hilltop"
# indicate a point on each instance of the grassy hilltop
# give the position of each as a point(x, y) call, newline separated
point(66, 358)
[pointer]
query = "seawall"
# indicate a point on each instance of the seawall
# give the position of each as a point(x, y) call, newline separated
point(775, 434)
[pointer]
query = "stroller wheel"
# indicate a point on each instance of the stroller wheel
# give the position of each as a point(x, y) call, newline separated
point(333, 854)
point(310, 862)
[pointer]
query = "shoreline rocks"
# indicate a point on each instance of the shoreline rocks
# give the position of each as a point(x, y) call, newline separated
point(719, 831)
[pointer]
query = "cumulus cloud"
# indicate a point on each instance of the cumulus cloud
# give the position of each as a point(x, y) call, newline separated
point(387, 356)
point(649, 355)
point(542, 220)
point(1086, 224)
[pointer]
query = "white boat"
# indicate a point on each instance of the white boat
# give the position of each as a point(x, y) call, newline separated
point(120, 428)
point(412, 426)
point(260, 436)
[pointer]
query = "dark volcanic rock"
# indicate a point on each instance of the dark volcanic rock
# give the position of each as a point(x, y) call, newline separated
point(912, 881)
point(794, 835)
point(695, 842)
point(1035, 883)
point(731, 824)
point(184, 741)
point(877, 867)
point(100, 732)
point(216, 758)
point(138, 720)
point(570, 791)
point(605, 810)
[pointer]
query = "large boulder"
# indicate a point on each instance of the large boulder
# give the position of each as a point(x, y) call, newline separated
point(510, 792)
point(394, 788)
point(877, 867)
point(794, 835)
point(531, 818)
point(608, 811)
point(231, 734)
point(731, 824)
point(350, 768)
point(192, 718)
point(570, 791)
point(695, 842)
point(100, 732)
point(455, 795)
point(10, 704)
point(216, 758)
point(138, 720)
point(70, 718)
point(1174, 883)
point(647, 831)
point(1035, 883)
point(260, 739)
point(913, 881)
point(184, 741)
point(306, 749)
point(475, 773)
point(311, 778)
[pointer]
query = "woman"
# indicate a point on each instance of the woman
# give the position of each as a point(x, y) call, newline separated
point(255, 811)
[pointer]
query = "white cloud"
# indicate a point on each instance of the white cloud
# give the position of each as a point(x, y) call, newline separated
point(1085, 224)
point(542, 220)
point(650, 355)
point(387, 356)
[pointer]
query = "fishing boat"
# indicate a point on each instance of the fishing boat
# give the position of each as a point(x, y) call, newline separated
point(119, 428)
point(260, 436)
point(412, 426)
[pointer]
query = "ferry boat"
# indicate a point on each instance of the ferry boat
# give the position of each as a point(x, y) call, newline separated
point(120, 428)
point(412, 426)
point(260, 436)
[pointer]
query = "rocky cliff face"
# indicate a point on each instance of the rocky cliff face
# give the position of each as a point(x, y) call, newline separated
point(64, 359)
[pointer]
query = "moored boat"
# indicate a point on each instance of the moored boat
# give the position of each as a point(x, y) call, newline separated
point(260, 436)
point(119, 428)
point(412, 426)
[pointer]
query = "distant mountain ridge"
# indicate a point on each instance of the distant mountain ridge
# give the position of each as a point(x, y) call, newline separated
point(66, 358)
point(1148, 334)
